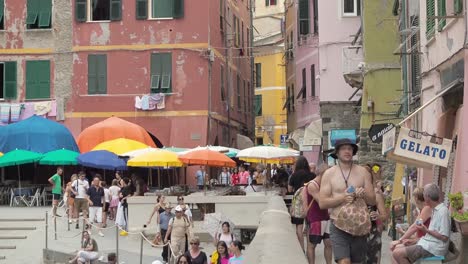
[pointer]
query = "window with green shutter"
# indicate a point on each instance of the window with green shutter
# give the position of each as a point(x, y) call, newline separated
point(38, 79)
point(304, 17)
point(97, 74)
point(430, 22)
point(258, 75)
point(2, 17)
point(441, 11)
point(141, 9)
point(99, 10)
point(81, 10)
point(9, 79)
point(161, 73)
point(223, 92)
point(458, 6)
point(39, 14)
point(258, 105)
point(167, 8)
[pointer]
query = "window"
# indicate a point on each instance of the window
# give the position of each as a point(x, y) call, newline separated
point(312, 80)
point(430, 22)
point(245, 97)
point(2, 17)
point(304, 17)
point(98, 10)
point(161, 72)
point(415, 60)
point(38, 79)
point(97, 74)
point(270, 2)
point(303, 92)
point(258, 105)
point(236, 30)
point(258, 75)
point(351, 7)
point(39, 13)
point(458, 6)
point(441, 11)
point(8, 80)
point(316, 16)
point(223, 95)
point(239, 101)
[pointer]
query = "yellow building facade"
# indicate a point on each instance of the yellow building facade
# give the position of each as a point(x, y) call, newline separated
point(270, 95)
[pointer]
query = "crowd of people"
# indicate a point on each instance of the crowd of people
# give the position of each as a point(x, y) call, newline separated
point(344, 206)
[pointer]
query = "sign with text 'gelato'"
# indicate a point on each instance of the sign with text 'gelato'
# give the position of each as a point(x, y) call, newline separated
point(419, 147)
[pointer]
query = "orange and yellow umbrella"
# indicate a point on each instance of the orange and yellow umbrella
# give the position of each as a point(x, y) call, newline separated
point(120, 146)
point(160, 158)
point(207, 157)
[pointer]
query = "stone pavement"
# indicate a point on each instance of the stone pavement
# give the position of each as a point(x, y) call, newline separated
point(29, 250)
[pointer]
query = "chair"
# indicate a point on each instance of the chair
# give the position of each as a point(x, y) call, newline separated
point(46, 196)
point(35, 199)
point(19, 196)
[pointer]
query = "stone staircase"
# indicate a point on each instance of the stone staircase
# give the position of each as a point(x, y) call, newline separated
point(16, 234)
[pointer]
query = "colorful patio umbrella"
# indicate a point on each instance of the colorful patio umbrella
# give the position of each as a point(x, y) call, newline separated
point(213, 148)
point(60, 157)
point(18, 157)
point(267, 154)
point(120, 145)
point(207, 157)
point(138, 152)
point(175, 149)
point(102, 159)
point(232, 152)
point(161, 158)
point(36, 134)
point(109, 129)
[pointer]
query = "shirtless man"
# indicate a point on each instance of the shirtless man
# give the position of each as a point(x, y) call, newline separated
point(334, 195)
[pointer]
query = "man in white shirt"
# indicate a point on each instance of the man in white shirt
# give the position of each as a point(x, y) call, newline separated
point(80, 188)
point(436, 240)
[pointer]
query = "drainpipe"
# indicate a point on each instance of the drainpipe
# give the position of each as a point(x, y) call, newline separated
point(210, 66)
point(252, 63)
point(228, 77)
point(404, 60)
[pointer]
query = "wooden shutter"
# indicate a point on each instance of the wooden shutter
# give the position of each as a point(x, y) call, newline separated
point(312, 80)
point(37, 79)
point(441, 11)
point(166, 61)
point(178, 9)
point(258, 105)
point(156, 71)
point(115, 10)
point(258, 75)
point(430, 22)
point(304, 83)
point(102, 73)
point(81, 10)
point(32, 12)
point(45, 13)
point(2, 7)
point(10, 80)
point(458, 6)
point(92, 74)
point(141, 9)
point(223, 93)
point(304, 17)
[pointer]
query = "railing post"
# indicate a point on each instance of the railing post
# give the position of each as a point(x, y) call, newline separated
point(141, 249)
point(117, 241)
point(46, 230)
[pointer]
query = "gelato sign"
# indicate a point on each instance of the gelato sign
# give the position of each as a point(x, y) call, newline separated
point(419, 147)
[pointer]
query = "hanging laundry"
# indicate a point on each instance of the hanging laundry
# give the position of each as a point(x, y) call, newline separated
point(28, 111)
point(155, 99)
point(53, 109)
point(162, 103)
point(137, 102)
point(16, 112)
point(42, 108)
point(145, 102)
point(5, 113)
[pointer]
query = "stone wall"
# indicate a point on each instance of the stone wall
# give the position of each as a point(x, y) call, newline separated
point(370, 152)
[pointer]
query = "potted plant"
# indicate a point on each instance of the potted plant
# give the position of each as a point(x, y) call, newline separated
point(459, 215)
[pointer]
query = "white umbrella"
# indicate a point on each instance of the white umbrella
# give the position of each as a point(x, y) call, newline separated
point(267, 154)
point(139, 152)
point(213, 222)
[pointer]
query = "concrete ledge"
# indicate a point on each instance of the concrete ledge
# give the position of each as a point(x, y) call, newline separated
point(275, 240)
point(56, 257)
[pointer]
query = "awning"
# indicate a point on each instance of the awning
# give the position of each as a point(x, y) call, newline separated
point(244, 142)
point(296, 137)
point(439, 94)
point(313, 134)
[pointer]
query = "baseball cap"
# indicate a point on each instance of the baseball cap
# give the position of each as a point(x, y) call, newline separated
point(179, 208)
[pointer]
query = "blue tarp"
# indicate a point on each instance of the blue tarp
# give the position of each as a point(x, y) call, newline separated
point(102, 159)
point(36, 134)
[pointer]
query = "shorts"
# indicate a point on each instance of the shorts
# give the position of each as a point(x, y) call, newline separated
point(415, 252)
point(95, 212)
point(56, 196)
point(347, 246)
point(297, 221)
point(318, 231)
point(105, 207)
point(81, 204)
point(71, 201)
point(200, 187)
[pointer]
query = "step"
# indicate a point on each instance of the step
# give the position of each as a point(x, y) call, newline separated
point(2, 257)
point(14, 228)
point(13, 237)
point(7, 247)
point(21, 219)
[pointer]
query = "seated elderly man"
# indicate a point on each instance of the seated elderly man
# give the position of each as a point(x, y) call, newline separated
point(435, 242)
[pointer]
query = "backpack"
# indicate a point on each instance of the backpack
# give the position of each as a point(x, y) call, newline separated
point(297, 204)
point(232, 236)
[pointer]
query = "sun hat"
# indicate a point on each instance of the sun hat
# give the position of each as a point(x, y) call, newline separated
point(343, 142)
point(179, 209)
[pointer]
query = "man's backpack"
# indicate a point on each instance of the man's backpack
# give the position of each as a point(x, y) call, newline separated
point(297, 206)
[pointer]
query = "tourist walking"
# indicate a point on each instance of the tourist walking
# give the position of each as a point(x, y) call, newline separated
point(224, 178)
point(114, 191)
point(106, 204)
point(71, 198)
point(164, 219)
point(435, 242)
point(236, 250)
point(301, 175)
point(235, 177)
point(200, 177)
point(195, 254)
point(347, 189)
point(122, 211)
point(80, 189)
point(225, 235)
point(88, 251)
point(56, 181)
point(95, 200)
point(185, 208)
point(244, 176)
point(158, 209)
point(378, 215)
point(221, 254)
point(318, 220)
point(178, 229)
